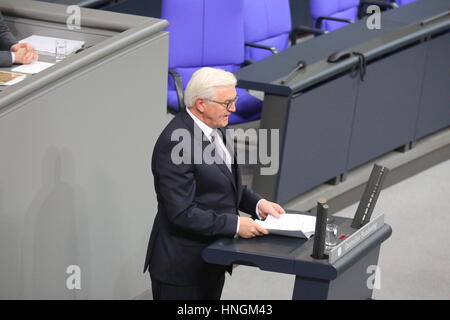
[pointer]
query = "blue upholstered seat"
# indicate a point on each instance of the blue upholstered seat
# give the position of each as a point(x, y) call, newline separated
point(207, 33)
point(404, 2)
point(326, 12)
point(267, 23)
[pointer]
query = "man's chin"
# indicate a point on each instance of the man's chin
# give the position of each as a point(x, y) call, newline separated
point(224, 122)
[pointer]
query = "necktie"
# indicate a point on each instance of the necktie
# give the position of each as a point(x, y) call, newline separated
point(221, 149)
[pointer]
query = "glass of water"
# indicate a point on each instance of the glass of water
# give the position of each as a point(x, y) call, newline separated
point(331, 235)
point(60, 49)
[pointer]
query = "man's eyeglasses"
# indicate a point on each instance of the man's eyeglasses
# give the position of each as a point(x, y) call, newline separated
point(227, 104)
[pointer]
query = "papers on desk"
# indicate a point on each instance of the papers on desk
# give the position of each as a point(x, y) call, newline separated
point(10, 78)
point(47, 45)
point(33, 67)
point(291, 225)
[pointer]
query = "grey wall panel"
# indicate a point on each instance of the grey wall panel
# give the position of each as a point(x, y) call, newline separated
point(22, 28)
point(317, 136)
point(58, 13)
point(75, 180)
point(434, 112)
point(387, 105)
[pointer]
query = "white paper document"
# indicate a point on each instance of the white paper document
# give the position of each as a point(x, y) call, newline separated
point(33, 67)
point(290, 224)
point(47, 45)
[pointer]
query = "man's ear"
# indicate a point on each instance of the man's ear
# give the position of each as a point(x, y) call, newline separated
point(200, 105)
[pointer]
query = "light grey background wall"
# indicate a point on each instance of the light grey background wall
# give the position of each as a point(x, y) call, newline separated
point(75, 180)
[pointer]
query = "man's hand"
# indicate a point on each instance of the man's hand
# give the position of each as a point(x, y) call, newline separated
point(250, 229)
point(24, 53)
point(269, 208)
point(17, 46)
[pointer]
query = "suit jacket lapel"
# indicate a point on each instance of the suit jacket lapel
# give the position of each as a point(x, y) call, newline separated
point(205, 143)
point(223, 167)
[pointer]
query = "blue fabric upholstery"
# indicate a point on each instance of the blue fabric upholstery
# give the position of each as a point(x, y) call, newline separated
point(347, 9)
point(266, 22)
point(404, 2)
point(207, 33)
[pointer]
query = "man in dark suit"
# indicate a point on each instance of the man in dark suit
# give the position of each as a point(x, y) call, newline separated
point(199, 193)
point(11, 51)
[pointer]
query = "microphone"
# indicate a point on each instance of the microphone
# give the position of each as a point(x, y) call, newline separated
point(83, 48)
point(300, 65)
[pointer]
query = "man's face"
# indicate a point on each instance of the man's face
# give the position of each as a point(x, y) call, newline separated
point(216, 115)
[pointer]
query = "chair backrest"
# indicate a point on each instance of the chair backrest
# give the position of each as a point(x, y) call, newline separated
point(347, 9)
point(404, 2)
point(203, 33)
point(266, 22)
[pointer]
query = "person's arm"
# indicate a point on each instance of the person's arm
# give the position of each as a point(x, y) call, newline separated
point(6, 59)
point(259, 208)
point(249, 201)
point(7, 39)
point(265, 208)
point(176, 189)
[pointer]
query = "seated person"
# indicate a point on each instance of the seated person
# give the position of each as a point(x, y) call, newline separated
point(12, 52)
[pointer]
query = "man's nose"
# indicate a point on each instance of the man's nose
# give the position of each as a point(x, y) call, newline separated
point(232, 108)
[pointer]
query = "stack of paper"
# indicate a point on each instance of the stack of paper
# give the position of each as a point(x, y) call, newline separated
point(33, 67)
point(290, 224)
point(9, 78)
point(47, 45)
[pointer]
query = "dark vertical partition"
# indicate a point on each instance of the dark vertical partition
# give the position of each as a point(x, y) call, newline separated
point(387, 105)
point(434, 112)
point(149, 8)
point(274, 115)
point(317, 135)
point(300, 13)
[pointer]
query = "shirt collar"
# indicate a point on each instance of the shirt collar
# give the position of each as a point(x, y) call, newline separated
point(208, 131)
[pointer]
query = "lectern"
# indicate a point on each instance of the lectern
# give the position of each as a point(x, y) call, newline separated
point(346, 274)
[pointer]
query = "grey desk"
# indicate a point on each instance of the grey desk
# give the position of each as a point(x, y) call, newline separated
point(148, 8)
point(43, 58)
point(75, 143)
point(329, 120)
point(346, 278)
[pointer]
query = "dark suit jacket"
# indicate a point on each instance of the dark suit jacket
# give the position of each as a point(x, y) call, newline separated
point(6, 41)
point(197, 203)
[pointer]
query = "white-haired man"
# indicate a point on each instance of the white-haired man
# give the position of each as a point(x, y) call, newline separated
point(198, 201)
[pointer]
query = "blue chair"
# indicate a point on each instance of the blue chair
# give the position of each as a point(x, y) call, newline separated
point(268, 29)
point(206, 33)
point(404, 2)
point(331, 15)
point(382, 4)
point(267, 24)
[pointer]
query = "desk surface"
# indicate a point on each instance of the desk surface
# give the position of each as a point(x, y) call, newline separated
point(290, 255)
point(43, 58)
point(259, 75)
point(108, 32)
